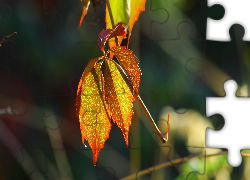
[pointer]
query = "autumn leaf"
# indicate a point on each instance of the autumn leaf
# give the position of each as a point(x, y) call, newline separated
point(99, 99)
point(94, 119)
point(129, 63)
point(119, 98)
point(102, 97)
point(88, 68)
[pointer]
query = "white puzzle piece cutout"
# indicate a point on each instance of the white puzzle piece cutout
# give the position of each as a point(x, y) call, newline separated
point(236, 132)
point(236, 12)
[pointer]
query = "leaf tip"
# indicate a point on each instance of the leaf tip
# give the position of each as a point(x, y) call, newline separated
point(95, 155)
point(84, 11)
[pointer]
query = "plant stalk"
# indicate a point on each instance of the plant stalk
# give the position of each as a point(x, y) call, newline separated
point(7, 37)
point(112, 20)
point(163, 140)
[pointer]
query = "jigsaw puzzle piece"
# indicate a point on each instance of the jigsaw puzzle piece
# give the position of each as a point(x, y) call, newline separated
point(218, 30)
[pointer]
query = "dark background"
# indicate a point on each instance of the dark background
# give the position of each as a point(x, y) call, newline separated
point(41, 66)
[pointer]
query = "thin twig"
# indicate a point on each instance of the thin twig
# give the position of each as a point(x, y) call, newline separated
point(7, 37)
point(163, 140)
point(174, 162)
point(112, 20)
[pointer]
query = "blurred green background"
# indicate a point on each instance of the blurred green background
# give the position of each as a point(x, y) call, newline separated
point(40, 69)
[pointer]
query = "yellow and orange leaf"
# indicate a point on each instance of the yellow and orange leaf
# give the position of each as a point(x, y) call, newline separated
point(94, 120)
point(119, 97)
point(129, 63)
point(88, 68)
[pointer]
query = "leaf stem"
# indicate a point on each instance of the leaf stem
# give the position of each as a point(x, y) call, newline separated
point(112, 20)
point(7, 37)
point(163, 140)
